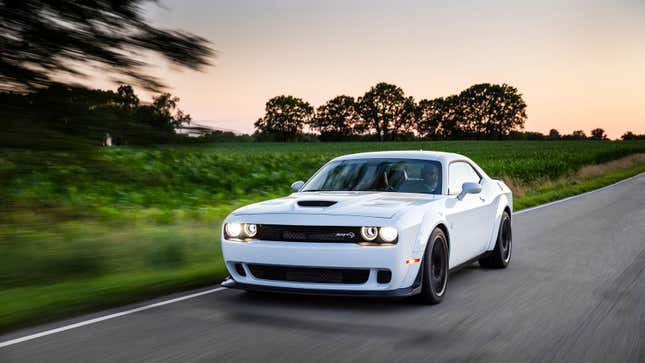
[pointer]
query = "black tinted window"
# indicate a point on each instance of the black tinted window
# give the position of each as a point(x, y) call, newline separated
point(390, 175)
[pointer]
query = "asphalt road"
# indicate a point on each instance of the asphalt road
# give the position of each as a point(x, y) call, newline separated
point(574, 291)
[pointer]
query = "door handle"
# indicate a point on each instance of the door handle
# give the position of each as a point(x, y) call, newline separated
point(481, 197)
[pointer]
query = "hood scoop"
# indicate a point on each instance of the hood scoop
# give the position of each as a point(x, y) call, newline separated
point(316, 203)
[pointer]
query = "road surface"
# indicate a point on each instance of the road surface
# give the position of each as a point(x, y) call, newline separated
point(574, 291)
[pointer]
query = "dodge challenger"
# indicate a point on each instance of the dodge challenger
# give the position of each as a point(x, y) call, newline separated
point(372, 224)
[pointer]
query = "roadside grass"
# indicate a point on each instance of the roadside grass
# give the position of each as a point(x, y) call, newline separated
point(23, 306)
point(585, 179)
point(51, 270)
point(125, 224)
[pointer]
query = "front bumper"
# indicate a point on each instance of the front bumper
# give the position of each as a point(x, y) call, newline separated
point(401, 292)
point(324, 255)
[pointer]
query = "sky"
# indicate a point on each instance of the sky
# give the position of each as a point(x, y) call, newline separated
point(579, 65)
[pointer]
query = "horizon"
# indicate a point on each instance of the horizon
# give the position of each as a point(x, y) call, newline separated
point(578, 65)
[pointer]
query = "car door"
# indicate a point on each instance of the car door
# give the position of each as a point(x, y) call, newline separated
point(467, 217)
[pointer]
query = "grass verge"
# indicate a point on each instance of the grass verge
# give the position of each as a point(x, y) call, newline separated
point(585, 179)
point(23, 306)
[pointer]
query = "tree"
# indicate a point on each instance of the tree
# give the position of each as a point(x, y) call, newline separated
point(42, 40)
point(430, 115)
point(598, 134)
point(554, 134)
point(576, 135)
point(336, 119)
point(284, 118)
point(491, 110)
point(127, 98)
point(631, 136)
point(385, 110)
point(165, 104)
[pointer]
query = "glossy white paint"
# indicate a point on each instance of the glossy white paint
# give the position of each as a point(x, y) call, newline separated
point(471, 223)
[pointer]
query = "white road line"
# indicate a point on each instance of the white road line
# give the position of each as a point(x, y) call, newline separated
point(106, 317)
point(577, 195)
point(166, 302)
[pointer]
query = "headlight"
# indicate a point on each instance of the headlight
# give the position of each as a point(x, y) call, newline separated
point(378, 235)
point(233, 229)
point(250, 230)
point(240, 231)
point(369, 233)
point(388, 234)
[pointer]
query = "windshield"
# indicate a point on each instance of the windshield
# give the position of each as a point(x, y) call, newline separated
point(382, 175)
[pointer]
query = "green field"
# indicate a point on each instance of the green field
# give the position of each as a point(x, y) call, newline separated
point(83, 230)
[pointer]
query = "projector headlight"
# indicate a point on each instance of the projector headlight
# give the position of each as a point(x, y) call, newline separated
point(369, 233)
point(388, 234)
point(240, 231)
point(375, 236)
point(250, 229)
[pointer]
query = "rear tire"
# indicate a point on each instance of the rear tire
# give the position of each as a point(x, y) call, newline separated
point(501, 254)
point(435, 269)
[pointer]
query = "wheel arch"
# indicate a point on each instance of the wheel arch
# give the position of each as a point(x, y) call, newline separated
point(504, 205)
point(444, 229)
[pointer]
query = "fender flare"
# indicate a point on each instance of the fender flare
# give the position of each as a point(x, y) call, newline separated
point(503, 203)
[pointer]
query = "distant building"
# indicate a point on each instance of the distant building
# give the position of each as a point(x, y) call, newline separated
point(194, 131)
point(197, 130)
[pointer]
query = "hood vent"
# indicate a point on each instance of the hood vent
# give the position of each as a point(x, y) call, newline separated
point(316, 203)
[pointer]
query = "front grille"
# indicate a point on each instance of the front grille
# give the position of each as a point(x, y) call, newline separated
point(309, 274)
point(275, 232)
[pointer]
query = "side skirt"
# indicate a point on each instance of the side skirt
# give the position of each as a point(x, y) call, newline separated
point(468, 263)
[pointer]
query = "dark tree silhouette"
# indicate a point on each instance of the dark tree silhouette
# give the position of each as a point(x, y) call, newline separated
point(66, 116)
point(165, 104)
point(284, 119)
point(127, 98)
point(576, 135)
point(598, 134)
point(439, 118)
point(453, 114)
point(385, 110)
point(631, 136)
point(336, 119)
point(491, 111)
point(430, 117)
point(44, 39)
point(554, 134)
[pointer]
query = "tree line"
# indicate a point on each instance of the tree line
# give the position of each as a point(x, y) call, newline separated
point(385, 113)
point(61, 115)
point(483, 112)
point(64, 115)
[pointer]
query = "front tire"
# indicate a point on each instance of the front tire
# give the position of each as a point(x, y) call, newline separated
point(501, 254)
point(435, 269)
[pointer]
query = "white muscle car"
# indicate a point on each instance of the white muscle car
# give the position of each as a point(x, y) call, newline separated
point(372, 224)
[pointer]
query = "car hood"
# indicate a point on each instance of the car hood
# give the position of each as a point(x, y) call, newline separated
point(367, 204)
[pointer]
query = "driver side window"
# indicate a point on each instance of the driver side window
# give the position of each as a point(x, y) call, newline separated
point(458, 173)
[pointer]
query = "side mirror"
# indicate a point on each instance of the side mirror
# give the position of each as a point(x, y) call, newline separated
point(469, 188)
point(296, 186)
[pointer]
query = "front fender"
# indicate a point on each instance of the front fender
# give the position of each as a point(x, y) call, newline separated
point(503, 200)
point(431, 219)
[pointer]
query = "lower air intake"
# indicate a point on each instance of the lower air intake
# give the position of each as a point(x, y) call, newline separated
point(309, 274)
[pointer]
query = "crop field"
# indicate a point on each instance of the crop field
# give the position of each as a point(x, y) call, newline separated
point(79, 231)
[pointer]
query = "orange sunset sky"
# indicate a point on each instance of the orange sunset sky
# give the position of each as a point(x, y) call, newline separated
point(579, 64)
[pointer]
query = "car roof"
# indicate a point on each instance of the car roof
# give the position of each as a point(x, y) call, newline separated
point(443, 157)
